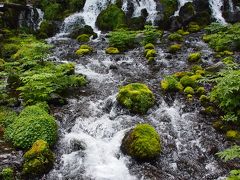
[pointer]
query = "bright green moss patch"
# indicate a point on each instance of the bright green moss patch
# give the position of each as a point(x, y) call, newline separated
point(32, 124)
point(170, 83)
point(136, 97)
point(142, 142)
point(187, 81)
point(83, 38)
point(39, 159)
point(149, 46)
point(194, 57)
point(233, 135)
point(112, 50)
point(174, 48)
point(84, 50)
point(189, 90)
point(175, 37)
point(7, 174)
point(193, 27)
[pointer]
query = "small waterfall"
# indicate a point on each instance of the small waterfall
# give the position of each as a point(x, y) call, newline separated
point(181, 4)
point(231, 8)
point(40, 17)
point(216, 6)
point(87, 16)
point(139, 5)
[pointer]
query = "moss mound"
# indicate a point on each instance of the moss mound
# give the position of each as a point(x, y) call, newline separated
point(174, 48)
point(32, 124)
point(142, 142)
point(111, 18)
point(39, 159)
point(137, 97)
point(112, 50)
point(194, 57)
point(83, 38)
point(84, 50)
point(7, 174)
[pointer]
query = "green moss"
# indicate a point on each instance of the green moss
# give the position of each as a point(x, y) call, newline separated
point(174, 48)
point(151, 53)
point(182, 32)
point(187, 81)
point(84, 50)
point(169, 8)
point(112, 50)
point(39, 159)
point(137, 97)
point(76, 5)
point(7, 116)
point(201, 90)
point(193, 27)
point(32, 124)
point(151, 59)
point(175, 37)
point(194, 57)
point(143, 142)
point(170, 83)
point(204, 99)
point(83, 38)
point(228, 60)
point(47, 29)
point(189, 90)
point(149, 46)
point(233, 135)
point(111, 18)
point(190, 97)
point(7, 174)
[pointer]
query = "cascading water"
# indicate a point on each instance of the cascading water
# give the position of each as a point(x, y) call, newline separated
point(231, 8)
point(88, 15)
point(139, 5)
point(93, 124)
point(181, 4)
point(216, 6)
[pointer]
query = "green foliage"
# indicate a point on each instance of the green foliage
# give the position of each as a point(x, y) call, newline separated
point(230, 154)
point(32, 124)
point(151, 35)
point(233, 135)
point(7, 174)
point(122, 39)
point(149, 46)
point(234, 175)
point(76, 5)
point(143, 142)
point(222, 38)
point(112, 50)
point(111, 18)
point(7, 116)
point(137, 97)
point(53, 11)
point(227, 91)
point(41, 81)
point(39, 159)
point(193, 27)
point(151, 53)
point(201, 90)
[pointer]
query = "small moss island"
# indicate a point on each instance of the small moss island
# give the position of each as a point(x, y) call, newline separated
point(136, 97)
point(142, 143)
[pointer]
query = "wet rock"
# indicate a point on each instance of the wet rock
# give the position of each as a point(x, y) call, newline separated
point(57, 100)
point(77, 145)
point(216, 67)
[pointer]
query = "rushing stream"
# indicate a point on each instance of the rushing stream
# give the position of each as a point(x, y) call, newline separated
point(93, 124)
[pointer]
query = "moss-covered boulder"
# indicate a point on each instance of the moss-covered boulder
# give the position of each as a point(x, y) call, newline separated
point(171, 84)
point(47, 29)
point(187, 11)
point(32, 124)
point(111, 18)
point(175, 37)
point(193, 27)
point(142, 142)
point(175, 48)
point(112, 50)
point(7, 116)
point(7, 174)
point(83, 38)
point(38, 160)
point(187, 81)
point(84, 50)
point(136, 97)
point(189, 90)
point(169, 8)
point(76, 5)
point(149, 46)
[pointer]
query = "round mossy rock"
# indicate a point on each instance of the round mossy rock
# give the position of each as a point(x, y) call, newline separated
point(7, 174)
point(39, 159)
point(83, 38)
point(112, 50)
point(142, 142)
point(136, 97)
point(111, 18)
point(32, 124)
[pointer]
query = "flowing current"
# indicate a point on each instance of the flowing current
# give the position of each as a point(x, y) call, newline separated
point(93, 124)
point(216, 6)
